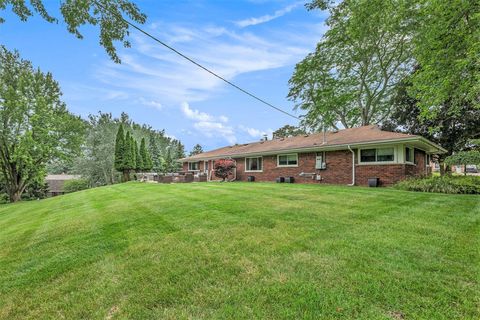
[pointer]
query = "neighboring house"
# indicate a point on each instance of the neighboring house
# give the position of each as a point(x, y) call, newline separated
point(349, 156)
point(55, 183)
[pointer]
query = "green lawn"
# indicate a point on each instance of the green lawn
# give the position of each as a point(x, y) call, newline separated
point(241, 251)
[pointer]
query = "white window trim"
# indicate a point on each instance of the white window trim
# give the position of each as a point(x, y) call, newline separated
point(412, 154)
point(246, 170)
point(395, 156)
point(286, 165)
point(198, 163)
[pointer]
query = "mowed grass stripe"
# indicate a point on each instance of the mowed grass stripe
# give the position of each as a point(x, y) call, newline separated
point(241, 250)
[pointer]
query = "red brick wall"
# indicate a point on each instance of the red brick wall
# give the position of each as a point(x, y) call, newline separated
point(338, 171)
point(387, 173)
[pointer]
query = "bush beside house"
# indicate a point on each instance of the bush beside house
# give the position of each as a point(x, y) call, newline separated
point(75, 185)
point(442, 184)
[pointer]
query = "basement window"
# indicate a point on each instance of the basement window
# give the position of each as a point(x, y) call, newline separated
point(254, 164)
point(377, 155)
point(287, 160)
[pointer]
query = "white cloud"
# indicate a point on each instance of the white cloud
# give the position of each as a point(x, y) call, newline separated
point(266, 18)
point(194, 114)
point(256, 133)
point(214, 129)
point(153, 71)
point(151, 103)
point(208, 125)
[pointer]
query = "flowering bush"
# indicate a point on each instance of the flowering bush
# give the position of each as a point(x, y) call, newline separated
point(223, 168)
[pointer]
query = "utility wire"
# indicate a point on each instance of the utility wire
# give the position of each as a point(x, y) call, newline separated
point(119, 16)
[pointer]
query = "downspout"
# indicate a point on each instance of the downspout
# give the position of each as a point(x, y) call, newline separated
point(353, 166)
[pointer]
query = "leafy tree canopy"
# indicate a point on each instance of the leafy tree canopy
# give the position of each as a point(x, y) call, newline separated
point(288, 131)
point(349, 79)
point(103, 13)
point(35, 126)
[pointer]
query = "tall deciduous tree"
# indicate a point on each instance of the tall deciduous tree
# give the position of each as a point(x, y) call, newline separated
point(451, 127)
point(35, 126)
point(103, 13)
point(288, 131)
point(349, 79)
point(447, 46)
point(97, 163)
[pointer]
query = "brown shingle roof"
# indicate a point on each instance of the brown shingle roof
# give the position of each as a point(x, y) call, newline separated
point(365, 134)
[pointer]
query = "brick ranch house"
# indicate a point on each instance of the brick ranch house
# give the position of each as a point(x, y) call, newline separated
point(349, 156)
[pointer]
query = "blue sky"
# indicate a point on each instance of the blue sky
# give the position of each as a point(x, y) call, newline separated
point(252, 43)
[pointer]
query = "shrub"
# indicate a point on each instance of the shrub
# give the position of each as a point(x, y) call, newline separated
point(442, 184)
point(75, 185)
point(223, 168)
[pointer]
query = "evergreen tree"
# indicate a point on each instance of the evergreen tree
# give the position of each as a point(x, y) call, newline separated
point(128, 160)
point(197, 149)
point(119, 149)
point(139, 158)
point(154, 151)
point(145, 155)
point(149, 162)
point(133, 151)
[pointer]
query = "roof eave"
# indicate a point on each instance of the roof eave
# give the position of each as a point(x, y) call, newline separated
point(321, 148)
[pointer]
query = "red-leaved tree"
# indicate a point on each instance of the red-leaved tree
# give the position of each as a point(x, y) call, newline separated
point(223, 168)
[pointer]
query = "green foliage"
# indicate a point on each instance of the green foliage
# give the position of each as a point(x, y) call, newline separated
point(442, 184)
point(120, 149)
point(138, 156)
point(103, 13)
point(464, 157)
point(351, 76)
point(452, 128)
point(197, 149)
point(288, 131)
point(145, 156)
point(133, 152)
point(35, 126)
point(75, 185)
point(97, 162)
point(129, 155)
point(446, 47)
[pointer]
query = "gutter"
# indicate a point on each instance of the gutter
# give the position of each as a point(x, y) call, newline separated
point(353, 166)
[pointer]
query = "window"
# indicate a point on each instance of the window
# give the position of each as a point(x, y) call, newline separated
point(206, 166)
point(368, 155)
point(385, 154)
point(193, 166)
point(320, 162)
point(253, 164)
point(287, 160)
point(408, 154)
point(377, 155)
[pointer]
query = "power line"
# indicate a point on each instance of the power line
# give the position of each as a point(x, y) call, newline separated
point(194, 62)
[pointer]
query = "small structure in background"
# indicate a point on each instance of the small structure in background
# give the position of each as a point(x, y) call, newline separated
point(55, 183)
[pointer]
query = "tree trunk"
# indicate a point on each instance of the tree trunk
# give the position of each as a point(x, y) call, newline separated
point(15, 195)
point(126, 176)
point(442, 168)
